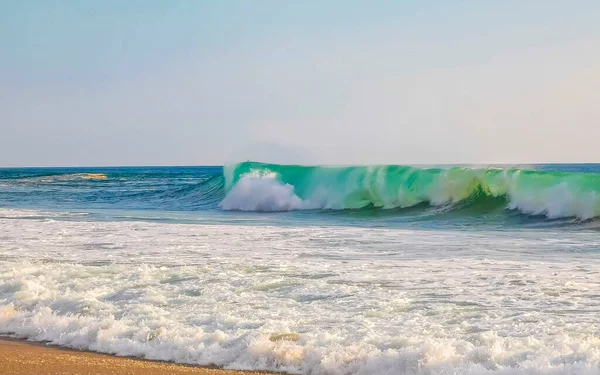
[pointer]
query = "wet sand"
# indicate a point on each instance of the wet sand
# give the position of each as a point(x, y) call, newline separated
point(18, 357)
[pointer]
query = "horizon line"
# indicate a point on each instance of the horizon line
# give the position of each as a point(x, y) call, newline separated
point(291, 164)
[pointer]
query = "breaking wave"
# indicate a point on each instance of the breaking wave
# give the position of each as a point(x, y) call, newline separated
point(254, 186)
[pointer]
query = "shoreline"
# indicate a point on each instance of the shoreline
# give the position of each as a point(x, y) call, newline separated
point(22, 357)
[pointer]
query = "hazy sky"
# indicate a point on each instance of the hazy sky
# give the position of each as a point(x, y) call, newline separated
point(142, 82)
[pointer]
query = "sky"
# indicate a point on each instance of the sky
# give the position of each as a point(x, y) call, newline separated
point(142, 82)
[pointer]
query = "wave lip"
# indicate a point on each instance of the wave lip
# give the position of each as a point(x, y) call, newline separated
point(254, 186)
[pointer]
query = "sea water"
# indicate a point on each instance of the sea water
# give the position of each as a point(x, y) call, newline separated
point(309, 270)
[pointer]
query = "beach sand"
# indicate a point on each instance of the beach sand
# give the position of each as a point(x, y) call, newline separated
point(18, 357)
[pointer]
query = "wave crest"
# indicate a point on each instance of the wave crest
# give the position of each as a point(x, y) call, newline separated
point(261, 192)
point(271, 187)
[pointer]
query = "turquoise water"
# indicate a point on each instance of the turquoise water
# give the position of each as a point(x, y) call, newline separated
point(309, 270)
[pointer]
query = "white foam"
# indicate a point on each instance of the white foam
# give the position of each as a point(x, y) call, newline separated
point(14, 213)
point(556, 202)
point(261, 193)
point(361, 301)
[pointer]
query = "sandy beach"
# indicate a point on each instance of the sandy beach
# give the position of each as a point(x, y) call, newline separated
point(18, 357)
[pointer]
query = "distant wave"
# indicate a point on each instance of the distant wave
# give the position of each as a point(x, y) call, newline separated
point(66, 177)
point(254, 186)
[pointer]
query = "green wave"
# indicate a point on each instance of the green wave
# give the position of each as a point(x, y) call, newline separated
point(271, 187)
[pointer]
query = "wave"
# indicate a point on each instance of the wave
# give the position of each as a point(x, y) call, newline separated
point(253, 186)
point(202, 195)
point(61, 177)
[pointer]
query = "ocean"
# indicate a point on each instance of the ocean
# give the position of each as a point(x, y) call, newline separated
point(309, 270)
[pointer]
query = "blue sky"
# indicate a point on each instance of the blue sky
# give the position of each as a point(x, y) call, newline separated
point(336, 82)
